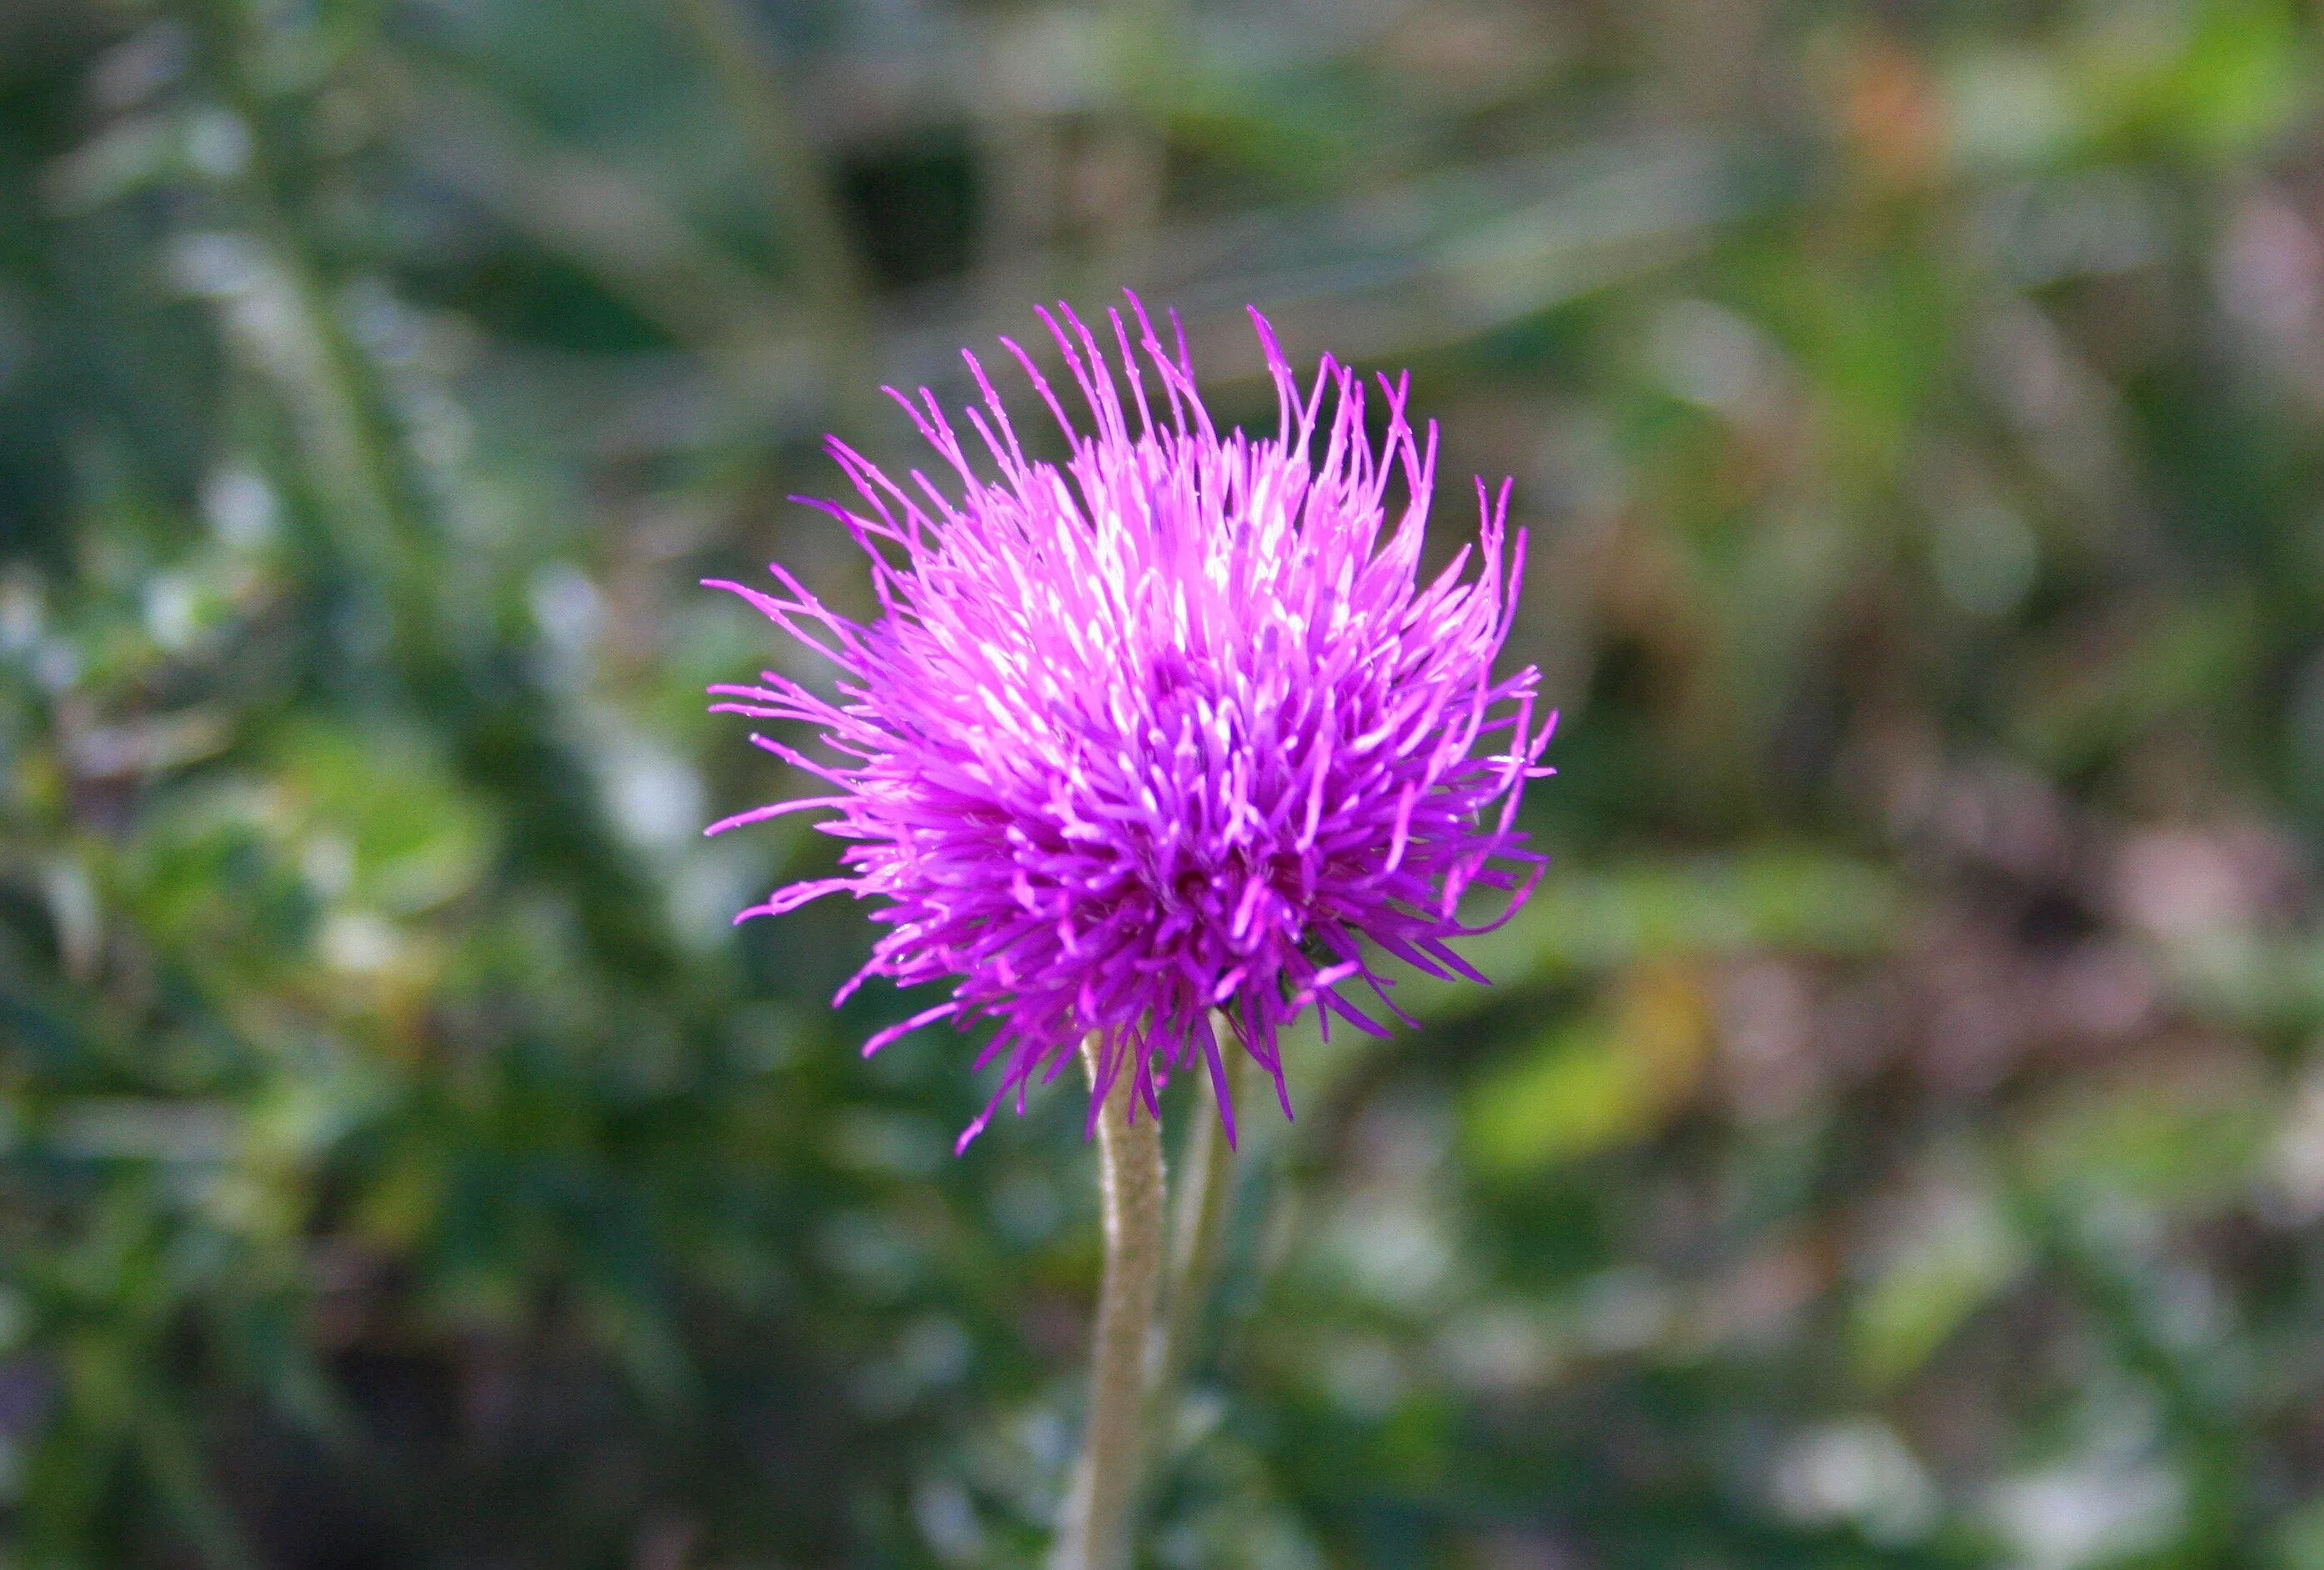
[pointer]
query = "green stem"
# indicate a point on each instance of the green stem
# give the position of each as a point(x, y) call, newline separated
point(1095, 1534)
point(1197, 1232)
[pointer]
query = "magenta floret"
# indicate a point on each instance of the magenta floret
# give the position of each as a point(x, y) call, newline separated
point(1167, 730)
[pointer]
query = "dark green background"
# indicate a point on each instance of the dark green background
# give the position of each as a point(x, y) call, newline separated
point(1896, 1136)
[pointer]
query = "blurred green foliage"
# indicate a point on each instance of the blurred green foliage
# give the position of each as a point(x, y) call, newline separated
point(1897, 1134)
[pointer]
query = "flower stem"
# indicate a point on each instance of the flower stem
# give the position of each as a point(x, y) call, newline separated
point(1204, 1203)
point(1095, 1534)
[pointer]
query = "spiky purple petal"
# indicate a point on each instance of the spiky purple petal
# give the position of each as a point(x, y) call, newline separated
point(1170, 728)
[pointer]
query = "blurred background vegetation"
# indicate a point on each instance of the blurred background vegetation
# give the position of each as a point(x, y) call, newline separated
point(1896, 1136)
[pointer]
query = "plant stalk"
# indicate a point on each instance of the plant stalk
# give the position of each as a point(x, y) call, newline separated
point(1205, 1200)
point(1095, 1534)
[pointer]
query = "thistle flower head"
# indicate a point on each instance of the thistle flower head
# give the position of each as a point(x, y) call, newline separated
point(1172, 727)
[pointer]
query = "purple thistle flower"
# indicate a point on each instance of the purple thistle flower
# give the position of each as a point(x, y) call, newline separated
point(1170, 728)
